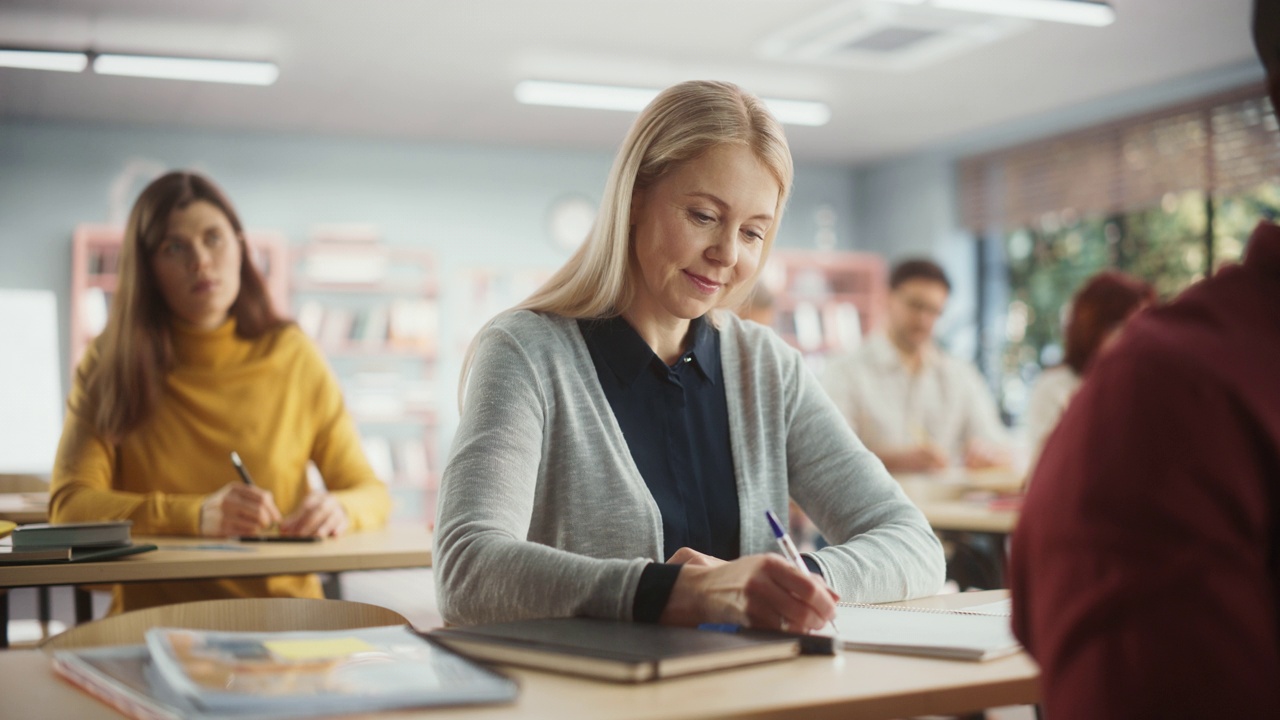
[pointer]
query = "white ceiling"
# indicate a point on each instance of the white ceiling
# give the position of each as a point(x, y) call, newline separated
point(444, 71)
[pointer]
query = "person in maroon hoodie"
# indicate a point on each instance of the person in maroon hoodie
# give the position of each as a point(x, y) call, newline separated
point(1146, 568)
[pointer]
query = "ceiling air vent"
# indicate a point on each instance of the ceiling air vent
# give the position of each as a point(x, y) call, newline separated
point(890, 39)
point(885, 35)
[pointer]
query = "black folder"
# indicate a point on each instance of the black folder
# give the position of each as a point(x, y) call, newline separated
point(47, 556)
point(615, 650)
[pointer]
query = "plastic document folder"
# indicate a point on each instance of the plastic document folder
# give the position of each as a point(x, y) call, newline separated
point(206, 675)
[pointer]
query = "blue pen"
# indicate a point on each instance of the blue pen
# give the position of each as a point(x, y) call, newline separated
point(789, 550)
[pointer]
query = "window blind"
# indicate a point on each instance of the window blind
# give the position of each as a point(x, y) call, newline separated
point(1222, 144)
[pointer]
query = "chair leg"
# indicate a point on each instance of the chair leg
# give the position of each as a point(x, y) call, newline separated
point(331, 584)
point(43, 609)
point(84, 605)
point(4, 619)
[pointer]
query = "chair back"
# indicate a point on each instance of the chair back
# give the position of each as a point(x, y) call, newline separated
point(22, 484)
point(237, 614)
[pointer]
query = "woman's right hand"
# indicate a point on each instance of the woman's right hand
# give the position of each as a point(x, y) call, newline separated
point(238, 509)
point(758, 591)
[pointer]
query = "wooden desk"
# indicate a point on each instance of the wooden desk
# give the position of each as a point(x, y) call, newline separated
point(24, 507)
point(973, 530)
point(851, 685)
point(941, 499)
point(967, 516)
point(179, 558)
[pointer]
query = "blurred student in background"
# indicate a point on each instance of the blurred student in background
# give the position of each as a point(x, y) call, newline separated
point(914, 406)
point(1146, 566)
point(1095, 319)
point(195, 363)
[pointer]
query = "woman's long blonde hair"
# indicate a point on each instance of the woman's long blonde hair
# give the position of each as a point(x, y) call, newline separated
point(135, 351)
point(680, 124)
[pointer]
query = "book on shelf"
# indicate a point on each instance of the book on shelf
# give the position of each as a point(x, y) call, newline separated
point(377, 450)
point(95, 305)
point(373, 333)
point(342, 266)
point(204, 675)
point(977, 633)
point(95, 534)
point(615, 650)
point(310, 317)
point(412, 462)
point(10, 555)
point(335, 328)
point(843, 326)
point(413, 324)
point(104, 261)
point(808, 326)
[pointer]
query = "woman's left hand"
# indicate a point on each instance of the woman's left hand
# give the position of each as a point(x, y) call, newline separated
point(320, 514)
point(689, 556)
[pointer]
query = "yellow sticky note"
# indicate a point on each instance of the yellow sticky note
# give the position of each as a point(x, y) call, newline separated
point(317, 649)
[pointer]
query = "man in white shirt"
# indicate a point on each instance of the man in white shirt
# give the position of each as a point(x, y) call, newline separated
point(914, 406)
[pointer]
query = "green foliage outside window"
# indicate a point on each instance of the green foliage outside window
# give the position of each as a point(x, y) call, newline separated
point(1165, 245)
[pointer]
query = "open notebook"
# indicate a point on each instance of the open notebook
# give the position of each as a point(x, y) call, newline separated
point(976, 633)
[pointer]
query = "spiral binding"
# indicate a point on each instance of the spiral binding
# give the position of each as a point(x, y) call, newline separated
point(935, 611)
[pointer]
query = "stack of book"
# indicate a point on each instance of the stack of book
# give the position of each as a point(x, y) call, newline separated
point(203, 674)
point(70, 542)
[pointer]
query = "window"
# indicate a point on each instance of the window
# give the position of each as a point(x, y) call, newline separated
point(1168, 196)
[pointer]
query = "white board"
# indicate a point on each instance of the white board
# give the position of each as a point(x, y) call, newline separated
point(30, 388)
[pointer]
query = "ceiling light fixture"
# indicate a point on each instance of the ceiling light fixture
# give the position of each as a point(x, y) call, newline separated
point(1079, 12)
point(634, 99)
point(43, 60)
point(243, 72)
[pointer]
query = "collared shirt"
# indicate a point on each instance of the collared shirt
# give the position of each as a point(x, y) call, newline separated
point(676, 425)
point(1050, 396)
point(945, 402)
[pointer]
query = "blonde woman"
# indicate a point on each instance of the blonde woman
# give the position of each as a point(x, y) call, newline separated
point(621, 437)
point(195, 363)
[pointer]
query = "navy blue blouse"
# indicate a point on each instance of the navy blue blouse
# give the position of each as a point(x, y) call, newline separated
point(676, 424)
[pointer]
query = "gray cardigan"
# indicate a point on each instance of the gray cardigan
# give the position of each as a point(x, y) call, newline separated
point(542, 512)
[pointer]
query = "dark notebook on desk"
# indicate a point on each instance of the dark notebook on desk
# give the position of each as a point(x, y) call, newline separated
point(112, 533)
point(615, 650)
point(43, 556)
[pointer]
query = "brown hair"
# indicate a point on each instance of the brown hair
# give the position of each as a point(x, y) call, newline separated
point(1104, 303)
point(1266, 39)
point(135, 351)
point(918, 269)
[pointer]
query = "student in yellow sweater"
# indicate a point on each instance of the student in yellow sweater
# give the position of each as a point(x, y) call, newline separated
point(195, 363)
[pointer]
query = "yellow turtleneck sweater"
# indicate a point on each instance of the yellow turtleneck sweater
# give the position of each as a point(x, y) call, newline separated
point(273, 400)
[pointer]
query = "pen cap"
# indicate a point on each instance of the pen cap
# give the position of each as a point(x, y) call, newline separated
point(775, 524)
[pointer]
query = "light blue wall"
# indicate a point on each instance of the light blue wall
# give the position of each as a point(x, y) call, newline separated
point(470, 205)
point(907, 208)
